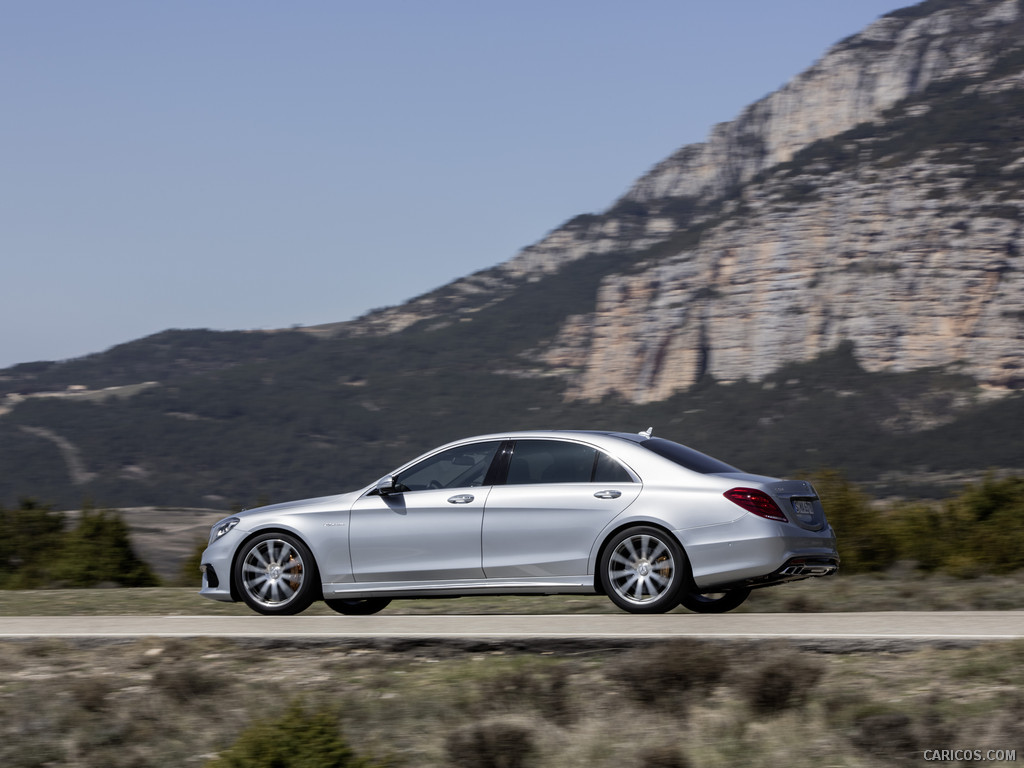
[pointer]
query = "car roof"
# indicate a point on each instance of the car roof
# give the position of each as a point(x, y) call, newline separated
point(577, 433)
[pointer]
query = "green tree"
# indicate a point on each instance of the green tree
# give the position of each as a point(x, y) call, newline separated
point(980, 530)
point(32, 537)
point(98, 551)
point(863, 534)
point(989, 527)
point(923, 534)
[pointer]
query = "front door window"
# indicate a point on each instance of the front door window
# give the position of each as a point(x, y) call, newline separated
point(464, 466)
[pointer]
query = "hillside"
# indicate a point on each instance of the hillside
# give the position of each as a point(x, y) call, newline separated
point(833, 279)
point(875, 198)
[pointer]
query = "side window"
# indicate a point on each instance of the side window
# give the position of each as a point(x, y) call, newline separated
point(608, 470)
point(555, 461)
point(464, 466)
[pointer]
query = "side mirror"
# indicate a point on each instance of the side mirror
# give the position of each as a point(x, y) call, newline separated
point(387, 485)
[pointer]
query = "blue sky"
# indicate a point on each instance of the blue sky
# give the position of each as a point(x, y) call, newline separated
point(240, 164)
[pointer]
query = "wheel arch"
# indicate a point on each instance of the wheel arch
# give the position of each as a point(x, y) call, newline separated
point(236, 596)
point(613, 532)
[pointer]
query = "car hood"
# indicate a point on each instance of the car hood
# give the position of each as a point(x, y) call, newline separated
point(302, 506)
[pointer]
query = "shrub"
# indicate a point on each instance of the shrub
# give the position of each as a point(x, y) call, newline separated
point(491, 744)
point(544, 692)
point(674, 674)
point(980, 530)
point(989, 524)
point(663, 757)
point(40, 551)
point(782, 682)
point(90, 693)
point(888, 734)
point(864, 542)
point(299, 738)
point(184, 682)
point(33, 535)
point(98, 551)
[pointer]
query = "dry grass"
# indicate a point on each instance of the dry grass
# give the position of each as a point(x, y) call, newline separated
point(158, 702)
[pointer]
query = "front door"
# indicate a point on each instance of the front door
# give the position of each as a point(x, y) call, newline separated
point(429, 530)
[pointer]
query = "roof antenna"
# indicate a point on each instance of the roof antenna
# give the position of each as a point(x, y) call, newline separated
point(647, 432)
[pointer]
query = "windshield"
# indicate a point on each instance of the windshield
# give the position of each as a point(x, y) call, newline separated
point(686, 457)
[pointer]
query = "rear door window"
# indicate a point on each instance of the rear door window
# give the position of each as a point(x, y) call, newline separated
point(558, 461)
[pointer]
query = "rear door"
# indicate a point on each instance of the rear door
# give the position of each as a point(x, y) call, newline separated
point(557, 497)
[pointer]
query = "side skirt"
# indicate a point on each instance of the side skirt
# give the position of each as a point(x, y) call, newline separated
point(561, 585)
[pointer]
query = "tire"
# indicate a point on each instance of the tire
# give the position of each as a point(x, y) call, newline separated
point(275, 575)
point(644, 570)
point(358, 607)
point(713, 602)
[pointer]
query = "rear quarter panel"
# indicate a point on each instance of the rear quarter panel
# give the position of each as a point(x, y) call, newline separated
point(676, 508)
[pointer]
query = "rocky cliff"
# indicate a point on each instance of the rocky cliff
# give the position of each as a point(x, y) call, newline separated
point(875, 198)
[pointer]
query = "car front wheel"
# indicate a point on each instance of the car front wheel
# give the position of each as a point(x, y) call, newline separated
point(713, 602)
point(643, 570)
point(275, 575)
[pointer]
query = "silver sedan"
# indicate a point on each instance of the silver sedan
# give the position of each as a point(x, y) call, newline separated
point(648, 522)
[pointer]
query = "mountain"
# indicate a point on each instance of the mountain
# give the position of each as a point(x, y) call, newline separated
point(832, 279)
point(875, 198)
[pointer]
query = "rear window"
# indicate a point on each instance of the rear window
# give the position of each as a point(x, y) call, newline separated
point(686, 457)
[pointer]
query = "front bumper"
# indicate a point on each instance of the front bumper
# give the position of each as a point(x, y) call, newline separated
point(215, 566)
point(214, 587)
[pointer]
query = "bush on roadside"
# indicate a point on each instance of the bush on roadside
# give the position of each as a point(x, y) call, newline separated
point(782, 682)
point(41, 551)
point(186, 681)
point(98, 551)
point(544, 691)
point(33, 536)
point(663, 757)
point(675, 674)
point(887, 734)
point(864, 536)
point(491, 744)
point(299, 738)
point(978, 531)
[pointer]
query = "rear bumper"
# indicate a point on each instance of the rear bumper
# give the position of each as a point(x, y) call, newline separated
point(795, 569)
point(754, 552)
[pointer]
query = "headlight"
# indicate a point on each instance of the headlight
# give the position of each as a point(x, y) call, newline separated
point(225, 525)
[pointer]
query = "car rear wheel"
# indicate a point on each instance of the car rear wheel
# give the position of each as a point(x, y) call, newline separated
point(643, 570)
point(275, 575)
point(363, 607)
point(713, 602)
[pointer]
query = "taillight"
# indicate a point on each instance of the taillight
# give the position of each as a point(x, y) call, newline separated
point(756, 502)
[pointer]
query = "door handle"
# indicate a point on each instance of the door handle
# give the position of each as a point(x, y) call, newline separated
point(608, 494)
point(462, 498)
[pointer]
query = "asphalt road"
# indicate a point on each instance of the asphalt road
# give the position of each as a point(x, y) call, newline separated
point(923, 626)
